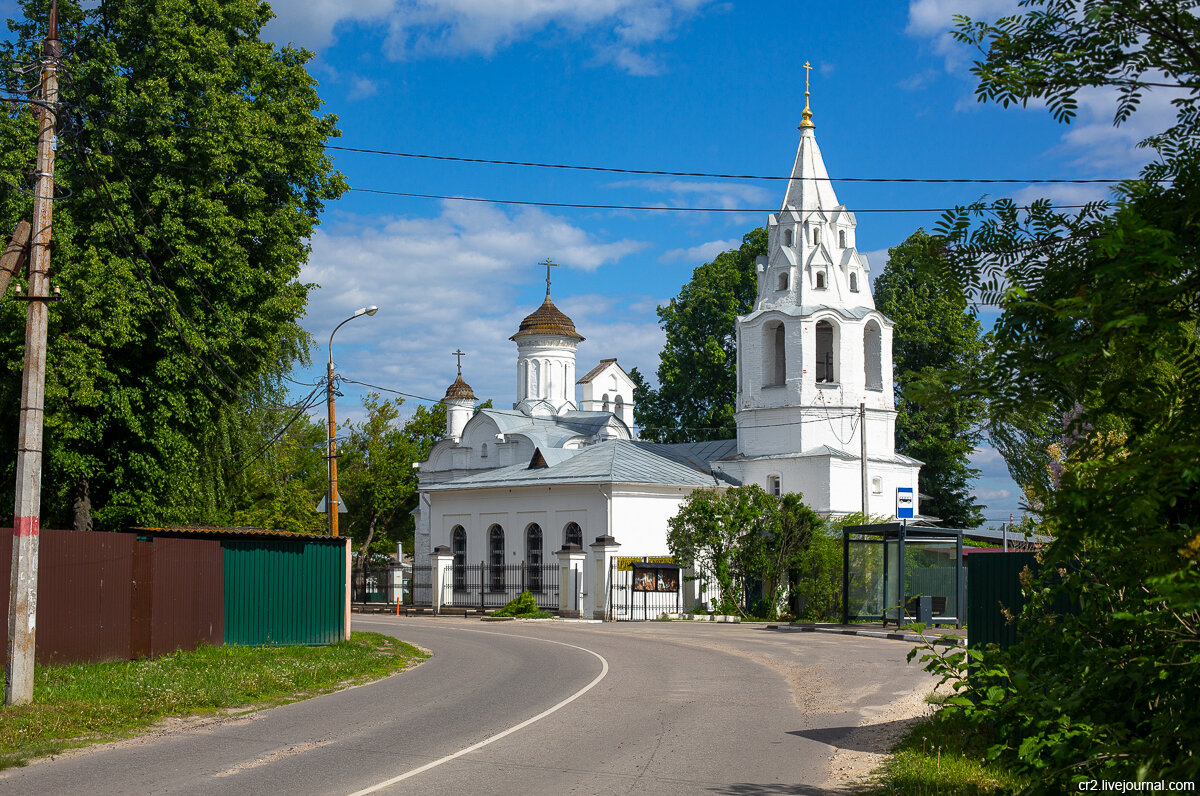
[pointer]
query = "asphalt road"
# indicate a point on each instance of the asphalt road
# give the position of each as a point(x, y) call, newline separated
point(533, 708)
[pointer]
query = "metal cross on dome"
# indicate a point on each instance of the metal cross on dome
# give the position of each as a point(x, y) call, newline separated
point(549, 264)
point(459, 354)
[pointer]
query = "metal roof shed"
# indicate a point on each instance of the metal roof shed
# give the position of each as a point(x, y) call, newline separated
point(281, 588)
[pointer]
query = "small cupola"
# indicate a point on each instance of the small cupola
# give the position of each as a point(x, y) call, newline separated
point(459, 401)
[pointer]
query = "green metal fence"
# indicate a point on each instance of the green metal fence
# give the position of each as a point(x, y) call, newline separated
point(284, 592)
point(994, 589)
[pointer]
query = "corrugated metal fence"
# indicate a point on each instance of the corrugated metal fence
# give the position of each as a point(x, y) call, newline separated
point(272, 595)
point(993, 590)
point(112, 596)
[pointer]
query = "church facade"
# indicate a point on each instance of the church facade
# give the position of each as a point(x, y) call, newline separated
point(557, 476)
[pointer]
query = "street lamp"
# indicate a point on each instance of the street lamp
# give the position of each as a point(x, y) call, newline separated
point(332, 502)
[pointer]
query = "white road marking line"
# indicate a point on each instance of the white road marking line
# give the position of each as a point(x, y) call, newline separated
point(455, 755)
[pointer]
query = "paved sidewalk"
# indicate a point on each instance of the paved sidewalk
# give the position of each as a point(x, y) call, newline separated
point(935, 635)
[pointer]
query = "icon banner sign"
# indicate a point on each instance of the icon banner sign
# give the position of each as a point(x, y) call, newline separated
point(625, 563)
point(905, 503)
point(655, 577)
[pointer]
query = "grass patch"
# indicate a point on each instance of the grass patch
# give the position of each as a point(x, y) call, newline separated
point(77, 704)
point(943, 756)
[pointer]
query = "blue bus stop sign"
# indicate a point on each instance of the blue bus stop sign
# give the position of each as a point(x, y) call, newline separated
point(905, 503)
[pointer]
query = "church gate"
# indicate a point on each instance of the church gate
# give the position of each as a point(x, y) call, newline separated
point(645, 587)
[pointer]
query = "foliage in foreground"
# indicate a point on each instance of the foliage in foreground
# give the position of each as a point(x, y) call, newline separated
point(84, 703)
point(1099, 330)
point(524, 606)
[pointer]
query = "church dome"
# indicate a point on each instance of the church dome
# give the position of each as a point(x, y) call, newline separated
point(550, 320)
point(459, 389)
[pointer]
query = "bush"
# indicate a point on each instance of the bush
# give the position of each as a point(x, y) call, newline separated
point(523, 606)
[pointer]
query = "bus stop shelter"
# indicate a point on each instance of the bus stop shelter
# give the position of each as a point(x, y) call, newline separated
point(895, 572)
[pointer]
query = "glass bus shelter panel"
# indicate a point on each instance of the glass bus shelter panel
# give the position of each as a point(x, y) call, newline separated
point(892, 597)
point(866, 578)
point(930, 568)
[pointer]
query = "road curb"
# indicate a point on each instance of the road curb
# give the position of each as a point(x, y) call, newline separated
point(952, 641)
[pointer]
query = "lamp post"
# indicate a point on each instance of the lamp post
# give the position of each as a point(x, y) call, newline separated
point(332, 501)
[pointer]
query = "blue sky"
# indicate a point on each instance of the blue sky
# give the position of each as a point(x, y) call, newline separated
point(677, 85)
point(674, 85)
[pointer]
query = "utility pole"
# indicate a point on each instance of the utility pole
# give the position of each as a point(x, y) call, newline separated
point(22, 594)
point(862, 434)
point(332, 502)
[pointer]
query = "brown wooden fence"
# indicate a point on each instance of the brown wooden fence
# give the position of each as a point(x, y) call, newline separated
point(113, 596)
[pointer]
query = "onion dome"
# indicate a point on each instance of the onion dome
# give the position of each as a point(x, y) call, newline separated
point(459, 389)
point(549, 320)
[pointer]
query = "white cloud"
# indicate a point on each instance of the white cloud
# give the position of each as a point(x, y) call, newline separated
point(877, 260)
point(934, 19)
point(463, 278)
point(313, 23)
point(619, 30)
point(702, 253)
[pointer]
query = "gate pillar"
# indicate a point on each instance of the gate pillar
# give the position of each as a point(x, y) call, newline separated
point(603, 551)
point(570, 580)
point(440, 560)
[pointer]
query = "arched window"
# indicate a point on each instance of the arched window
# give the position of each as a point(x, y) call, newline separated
point(816, 236)
point(820, 280)
point(783, 281)
point(606, 409)
point(853, 283)
point(612, 381)
point(533, 557)
point(483, 451)
point(618, 406)
point(496, 557)
point(572, 534)
point(535, 378)
point(826, 358)
point(872, 359)
point(787, 237)
point(458, 546)
point(842, 238)
point(773, 485)
point(877, 485)
point(774, 355)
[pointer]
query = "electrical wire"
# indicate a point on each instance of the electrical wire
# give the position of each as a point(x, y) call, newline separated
point(614, 169)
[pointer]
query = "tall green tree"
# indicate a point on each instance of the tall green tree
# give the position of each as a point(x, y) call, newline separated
point(376, 475)
point(192, 151)
point(697, 374)
point(937, 345)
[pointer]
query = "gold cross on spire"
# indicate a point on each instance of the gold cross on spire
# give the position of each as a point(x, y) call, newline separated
point(549, 264)
point(459, 354)
point(806, 116)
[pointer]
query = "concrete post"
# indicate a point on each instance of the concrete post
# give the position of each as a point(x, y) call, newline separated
point(604, 549)
point(27, 511)
point(570, 570)
point(440, 560)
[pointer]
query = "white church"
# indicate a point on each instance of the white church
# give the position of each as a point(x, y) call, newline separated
point(563, 475)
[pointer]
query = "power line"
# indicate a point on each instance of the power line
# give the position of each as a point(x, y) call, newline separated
point(614, 169)
point(667, 208)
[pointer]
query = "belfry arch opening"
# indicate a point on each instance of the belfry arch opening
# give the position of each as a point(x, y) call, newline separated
point(873, 356)
point(826, 353)
point(774, 355)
